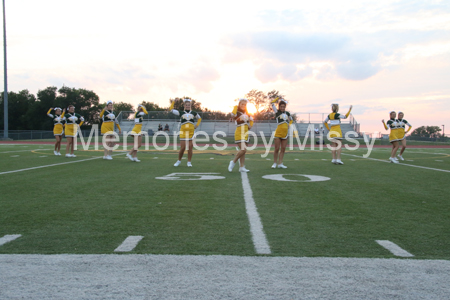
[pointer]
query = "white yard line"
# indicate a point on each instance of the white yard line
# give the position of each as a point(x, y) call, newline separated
point(394, 248)
point(129, 243)
point(9, 238)
point(401, 164)
point(53, 165)
point(256, 227)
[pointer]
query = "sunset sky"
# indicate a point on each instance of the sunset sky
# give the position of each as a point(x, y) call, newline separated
point(377, 55)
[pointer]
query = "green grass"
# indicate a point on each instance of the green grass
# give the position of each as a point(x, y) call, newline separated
point(92, 206)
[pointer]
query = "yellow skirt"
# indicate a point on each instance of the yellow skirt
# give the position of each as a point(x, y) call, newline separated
point(336, 132)
point(241, 134)
point(58, 129)
point(187, 132)
point(71, 130)
point(282, 131)
point(107, 127)
point(394, 135)
point(136, 129)
point(401, 134)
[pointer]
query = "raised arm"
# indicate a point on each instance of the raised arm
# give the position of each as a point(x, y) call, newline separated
point(275, 110)
point(102, 112)
point(199, 120)
point(64, 112)
point(384, 124)
point(349, 111)
point(234, 112)
point(49, 114)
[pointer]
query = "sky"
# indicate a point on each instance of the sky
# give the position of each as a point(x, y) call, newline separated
point(375, 55)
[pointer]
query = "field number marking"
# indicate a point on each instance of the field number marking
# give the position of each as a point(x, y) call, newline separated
point(191, 176)
point(311, 178)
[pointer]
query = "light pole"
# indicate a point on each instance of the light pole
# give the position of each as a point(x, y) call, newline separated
point(5, 91)
point(443, 131)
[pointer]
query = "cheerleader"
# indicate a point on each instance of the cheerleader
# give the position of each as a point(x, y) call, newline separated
point(281, 133)
point(73, 121)
point(394, 135)
point(108, 120)
point(244, 122)
point(58, 127)
point(137, 132)
point(402, 132)
point(336, 132)
point(187, 129)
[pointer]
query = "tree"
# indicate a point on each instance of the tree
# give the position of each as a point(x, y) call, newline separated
point(86, 103)
point(427, 131)
point(18, 105)
point(195, 105)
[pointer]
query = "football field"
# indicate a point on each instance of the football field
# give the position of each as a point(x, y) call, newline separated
point(87, 205)
point(88, 228)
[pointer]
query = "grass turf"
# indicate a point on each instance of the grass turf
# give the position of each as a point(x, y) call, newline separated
point(92, 206)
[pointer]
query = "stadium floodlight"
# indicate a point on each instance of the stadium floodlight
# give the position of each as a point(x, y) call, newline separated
point(5, 91)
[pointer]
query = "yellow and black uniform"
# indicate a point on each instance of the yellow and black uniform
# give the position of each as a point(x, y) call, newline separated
point(187, 126)
point(138, 118)
point(109, 119)
point(243, 122)
point(284, 119)
point(396, 133)
point(402, 132)
point(73, 120)
point(58, 122)
point(335, 124)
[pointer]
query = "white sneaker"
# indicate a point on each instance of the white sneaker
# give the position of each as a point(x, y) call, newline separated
point(339, 162)
point(189, 164)
point(130, 157)
point(333, 161)
point(281, 166)
point(56, 153)
point(108, 157)
point(104, 157)
point(231, 166)
point(401, 157)
point(274, 166)
point(68, 155)
point(243, 169)
point(177, 163)
point(73, 155)
point(136, 159)
point(393, 160)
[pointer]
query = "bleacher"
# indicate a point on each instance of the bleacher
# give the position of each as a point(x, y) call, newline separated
point(211, 126)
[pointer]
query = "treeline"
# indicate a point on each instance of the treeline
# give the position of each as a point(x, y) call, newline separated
point(28, 112)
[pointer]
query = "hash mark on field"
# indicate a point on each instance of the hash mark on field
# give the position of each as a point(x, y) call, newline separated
point(438, 160)
point(394, 248)
point(15, 155)
point(256, 227)
point(9, 238)
point(129, 243)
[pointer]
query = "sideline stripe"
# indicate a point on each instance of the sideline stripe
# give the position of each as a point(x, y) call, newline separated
point(52, 165)
point(400, 164)
point(129, 244)
point(256, 227)
point(394, 248)
point(9, 238)
point(28, 150)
